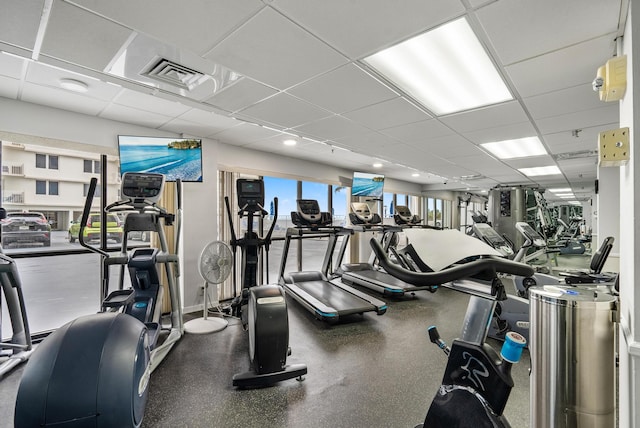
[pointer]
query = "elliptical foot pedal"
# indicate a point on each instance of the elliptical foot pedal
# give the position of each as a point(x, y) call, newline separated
point(252, 379)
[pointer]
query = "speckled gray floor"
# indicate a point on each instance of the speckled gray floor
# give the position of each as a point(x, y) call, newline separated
point(371, 371)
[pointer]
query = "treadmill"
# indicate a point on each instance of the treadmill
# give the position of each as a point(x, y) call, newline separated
point(368, 275)
point(326, 300)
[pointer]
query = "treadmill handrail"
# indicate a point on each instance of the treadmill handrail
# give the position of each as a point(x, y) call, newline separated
point(490, 265)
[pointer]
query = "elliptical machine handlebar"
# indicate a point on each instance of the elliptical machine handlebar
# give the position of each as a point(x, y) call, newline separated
point(93, 183)
point(485, 268)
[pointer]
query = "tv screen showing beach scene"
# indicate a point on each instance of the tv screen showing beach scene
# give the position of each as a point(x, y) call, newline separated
point(368, 185)
point(176, 158)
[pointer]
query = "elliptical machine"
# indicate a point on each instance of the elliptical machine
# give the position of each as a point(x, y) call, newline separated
point(19, 348)
point(94, 371)
point(477, 381)
point(261, 308)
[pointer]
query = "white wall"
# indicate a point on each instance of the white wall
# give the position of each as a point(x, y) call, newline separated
point(630, 238)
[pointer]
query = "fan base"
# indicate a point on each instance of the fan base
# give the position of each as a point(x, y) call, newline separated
point(205, 326)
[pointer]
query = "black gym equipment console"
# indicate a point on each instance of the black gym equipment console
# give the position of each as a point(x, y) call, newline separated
point(477, 381)
point(94, 371)
point(262, 308)
point(327, 300)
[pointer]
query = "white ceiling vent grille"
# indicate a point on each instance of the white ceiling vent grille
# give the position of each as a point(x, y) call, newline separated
point(175, 74)
point(583, 154)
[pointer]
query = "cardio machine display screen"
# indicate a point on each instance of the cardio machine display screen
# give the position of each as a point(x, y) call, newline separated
point(250, 192)
point(142, 185)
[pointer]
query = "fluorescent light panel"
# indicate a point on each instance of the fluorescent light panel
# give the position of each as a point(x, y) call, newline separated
point(517, 148)
point(540, 170)
point(445, 69)
point(560, 190)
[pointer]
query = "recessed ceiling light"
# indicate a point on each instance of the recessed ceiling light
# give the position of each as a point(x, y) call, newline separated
point(74, 85)
point(290, 142)
point(560, 190)
point(415, 174)
point(540, 170)
point(517, 148)
point(377, 165)
point(445, 69)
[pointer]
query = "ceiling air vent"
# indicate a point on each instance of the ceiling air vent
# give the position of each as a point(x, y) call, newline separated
point(175, 74)
point(583, 154)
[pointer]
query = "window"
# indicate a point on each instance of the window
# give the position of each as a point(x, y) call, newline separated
point(97, 194)
point(53, 187)
point(41, 161)
point(53, 162)
point(41, 187)
point(91, 166)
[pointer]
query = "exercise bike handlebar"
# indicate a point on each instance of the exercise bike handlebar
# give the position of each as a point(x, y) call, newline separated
point(489, 265)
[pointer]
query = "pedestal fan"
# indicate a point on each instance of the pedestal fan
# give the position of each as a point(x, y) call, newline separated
point(214, 265)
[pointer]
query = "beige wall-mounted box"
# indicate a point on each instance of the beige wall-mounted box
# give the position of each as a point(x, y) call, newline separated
point(614, 147)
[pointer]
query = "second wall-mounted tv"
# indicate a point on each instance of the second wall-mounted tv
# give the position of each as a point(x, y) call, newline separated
point(367, 185)
point(176, 158)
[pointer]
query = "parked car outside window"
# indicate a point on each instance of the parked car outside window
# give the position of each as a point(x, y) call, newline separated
point(92, 230)
point(26, 227)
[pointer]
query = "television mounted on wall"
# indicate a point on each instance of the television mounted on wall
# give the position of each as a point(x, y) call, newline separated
point(176, 158)
point(367, 185)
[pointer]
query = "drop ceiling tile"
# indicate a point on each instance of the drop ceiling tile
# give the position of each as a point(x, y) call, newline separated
point(180, 126)
point(62, 99)
point(563, 142)
point(358, 28)
point(447, 146)
point(369, 142)
point(418, 132)
point(486, 117)
point(564, 68)
point(240, 95)
point(332, 127)
point(271, 49)
point(501, 133)
point(135, 116)
point(344, 89)
point(514, 28)
point(9, 87)
point(578, 120)
point(19, 22)
point(44, 75)
point(577, 98)
point(150, 103)
point(195, 25)
point(387, 114)
point(79, 37)
point(284, 110)
point(211, 118)
point(530, 162)
point(244, 134)
point(11, 66)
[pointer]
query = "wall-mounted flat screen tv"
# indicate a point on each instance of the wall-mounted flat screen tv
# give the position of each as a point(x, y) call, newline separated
point(176, 158)
point(368, 185)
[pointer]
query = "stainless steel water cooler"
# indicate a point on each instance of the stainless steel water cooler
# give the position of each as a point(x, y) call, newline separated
point(572, 347)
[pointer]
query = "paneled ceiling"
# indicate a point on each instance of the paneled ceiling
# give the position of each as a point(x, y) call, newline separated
point(274, 69)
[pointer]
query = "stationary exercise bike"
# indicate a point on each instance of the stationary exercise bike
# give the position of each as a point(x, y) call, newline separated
point(261, 308)
point(94, 371)
point(477, 381)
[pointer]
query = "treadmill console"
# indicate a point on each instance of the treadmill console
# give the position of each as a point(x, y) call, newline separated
point(309, 215)
point(489, 235)
point(250, 194)
point(309, 209)
point(361, 214)
point(142, 187)
point(531, 235)
point(403, 216)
